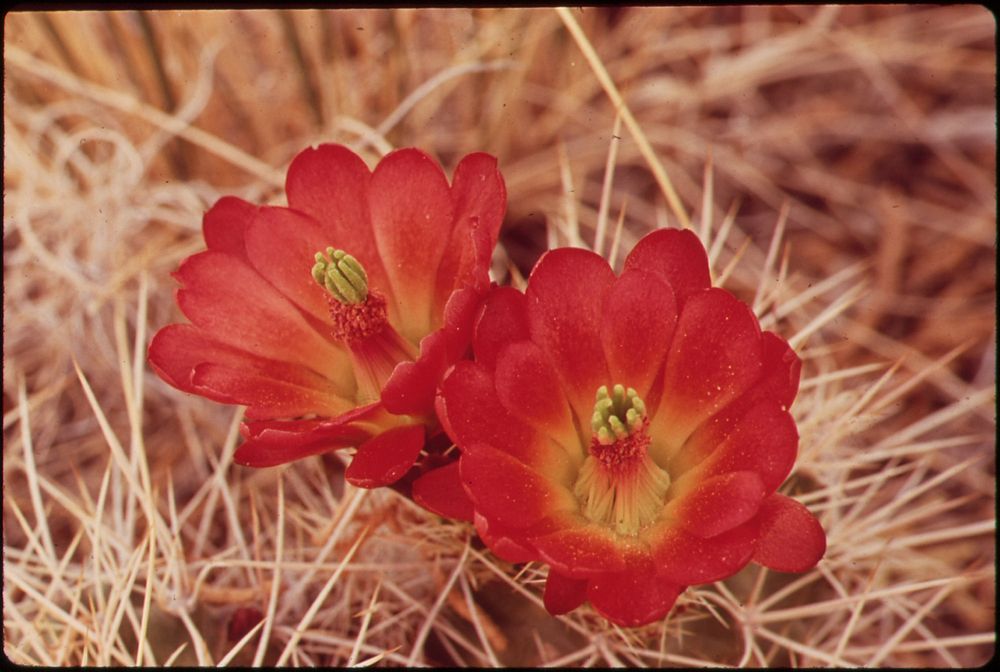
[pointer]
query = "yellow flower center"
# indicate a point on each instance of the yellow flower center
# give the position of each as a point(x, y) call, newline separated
point(619, 484)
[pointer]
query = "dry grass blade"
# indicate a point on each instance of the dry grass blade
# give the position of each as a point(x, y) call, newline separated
point(622, 109)
point(125, 103)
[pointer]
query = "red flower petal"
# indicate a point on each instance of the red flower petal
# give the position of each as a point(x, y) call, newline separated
point(271, 447)
point(765, 441)
point(478, 191)
point(411, 388)
point(505, 490)
point(638, 325)
point(441, 491)
point(685, 559)
point(718, 504)
point(565, 295)
point(265, 396)
point(529, 388)
point(675, 255)
point(411, 206)
point(778, 383)
point(229, 300)
point(282, 245)
point(480, 199)
point(460, 314)
point(177, 349)
point(791, 539)
point(224, 225)
point(331, 183)
point(633, 597)
point(581, 551)
point(502, 545)
point(715, 357)
point(781, 369)
point(473, 413)
point(370, 419)
point(563, 594)
point(384, 458)
point(503, 320)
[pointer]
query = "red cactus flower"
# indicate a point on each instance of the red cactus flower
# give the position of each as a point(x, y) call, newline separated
point(629, 431)
point(334, 318)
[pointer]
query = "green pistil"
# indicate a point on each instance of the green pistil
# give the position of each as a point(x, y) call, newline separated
point(619, 485)
point(341, 275)
point(616, 415)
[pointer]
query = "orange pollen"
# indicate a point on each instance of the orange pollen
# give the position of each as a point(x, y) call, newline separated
point(620, 456)
point(354, 322)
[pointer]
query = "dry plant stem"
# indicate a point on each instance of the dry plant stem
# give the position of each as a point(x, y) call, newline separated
point(429, 622)
point(125, 103)
point(622, 109)
point(491, 656)
point(772, 252)
point(272, 602)
point(365, 622)
point(317, 603)
point(609, 175)
point(434, 82)
point(571, 222)
point(707, 201)
point(31, 472)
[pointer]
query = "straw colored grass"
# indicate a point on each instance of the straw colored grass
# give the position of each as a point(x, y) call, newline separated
point(838, 162)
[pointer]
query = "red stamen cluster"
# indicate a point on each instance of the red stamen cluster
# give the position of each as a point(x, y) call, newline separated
point(353, 322)
point(619, 456)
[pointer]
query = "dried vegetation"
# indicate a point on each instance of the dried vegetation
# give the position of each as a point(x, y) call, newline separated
point(840, 162)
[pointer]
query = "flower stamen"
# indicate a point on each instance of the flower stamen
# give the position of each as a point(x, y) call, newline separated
point(359, 319)
point(341, 275)
point(619, 484)
point(616, 415)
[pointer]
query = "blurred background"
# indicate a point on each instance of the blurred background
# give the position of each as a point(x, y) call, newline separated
point(860, 139)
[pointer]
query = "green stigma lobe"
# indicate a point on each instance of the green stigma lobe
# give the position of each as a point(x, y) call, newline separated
point(341, 275)
point(616, 414)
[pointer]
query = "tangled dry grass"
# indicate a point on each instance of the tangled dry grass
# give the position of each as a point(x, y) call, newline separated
point(839, 161)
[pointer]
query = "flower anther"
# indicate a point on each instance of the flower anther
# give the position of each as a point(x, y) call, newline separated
point(618, 484)
point(341, 275)
point(618, 415)
point(356, 313)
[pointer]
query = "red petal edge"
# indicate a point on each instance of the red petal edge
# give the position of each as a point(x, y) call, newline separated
point(384, 459)
point(224, 225)
point(506, 490)
point(563, 594)
point(675, 255)
point(411, 388)
point(272, 442)
point(632, 598)
point(565, 296)
point(791, 539)
point(502, 546)
point(273, 448)
point(581, 552)
point(440, 491)
point(503, 319)
point(718, 504)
